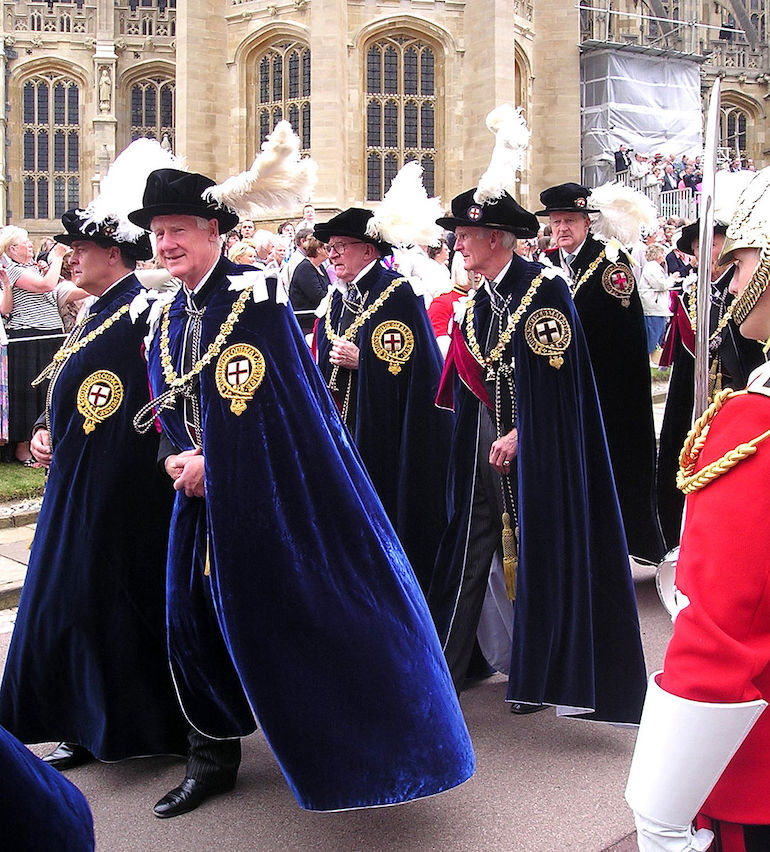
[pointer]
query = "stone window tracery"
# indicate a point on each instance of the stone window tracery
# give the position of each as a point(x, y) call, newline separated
point(50, 146)
point(733, 131)
point(153, 113)
point(400, 111)
point(283, 90)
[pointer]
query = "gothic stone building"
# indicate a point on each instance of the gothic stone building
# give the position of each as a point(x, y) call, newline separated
point(367, 84)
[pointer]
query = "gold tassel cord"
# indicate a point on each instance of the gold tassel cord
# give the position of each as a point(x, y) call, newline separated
point(510, 560)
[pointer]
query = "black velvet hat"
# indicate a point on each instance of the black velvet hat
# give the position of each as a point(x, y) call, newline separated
point(79, 228)
point(565, 198)
point(503, 214)
point(350, 223)
point(691, 232)
point(171, 192)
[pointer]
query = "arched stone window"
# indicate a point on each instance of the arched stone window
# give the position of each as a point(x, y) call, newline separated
point(153, 109)
point(50, 145)
point(283, 89)
point(734, 122)
point(400, 111)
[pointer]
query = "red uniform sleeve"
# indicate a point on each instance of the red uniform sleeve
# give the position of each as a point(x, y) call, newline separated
point(720, 650)
point(440, 313)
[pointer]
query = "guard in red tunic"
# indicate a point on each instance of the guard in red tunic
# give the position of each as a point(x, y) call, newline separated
point(704, 741)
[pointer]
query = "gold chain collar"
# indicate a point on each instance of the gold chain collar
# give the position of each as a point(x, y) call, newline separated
point(587, 274)
point(67, 350)
point(215, 347)
point(687, 480)
point(692, 312)
point(496, 353)
point(351, 331)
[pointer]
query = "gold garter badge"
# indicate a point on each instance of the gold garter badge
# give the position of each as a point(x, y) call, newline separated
point(618, 281)
point(99, 397)
point(239, 372)
point(392, 341)
point(548, 332)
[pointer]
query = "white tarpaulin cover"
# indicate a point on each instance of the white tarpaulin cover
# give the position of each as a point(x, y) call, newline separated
point(650, 103)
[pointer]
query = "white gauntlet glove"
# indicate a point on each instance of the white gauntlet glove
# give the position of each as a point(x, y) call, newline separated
point(653, 836)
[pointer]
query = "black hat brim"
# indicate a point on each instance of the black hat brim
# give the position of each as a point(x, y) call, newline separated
point(141, 250)
point(691, 232)
point(144, 216)
point(452, 222)
point(549, 210)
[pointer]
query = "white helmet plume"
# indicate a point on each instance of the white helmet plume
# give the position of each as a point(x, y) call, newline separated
point(278, 179)
point(508, 156)
point(122, 188)
point(407, 216)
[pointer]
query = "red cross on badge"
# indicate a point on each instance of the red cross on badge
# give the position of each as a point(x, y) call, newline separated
point(619, 281)
point(393, 341)
point(99, 395)
point(238, 371)
point(474, 213)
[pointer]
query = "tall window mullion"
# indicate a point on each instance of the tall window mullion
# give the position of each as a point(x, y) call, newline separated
point(51, 146)
point(283, 90)
point(400, 111)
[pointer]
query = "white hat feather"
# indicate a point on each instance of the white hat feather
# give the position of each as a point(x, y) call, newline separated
point(407, 216)
point(508, 155)
point(728, 187)
point(278, 179)
point(122, 188)
point(623, 212)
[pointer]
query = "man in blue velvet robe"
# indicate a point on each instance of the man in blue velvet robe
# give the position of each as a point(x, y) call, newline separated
point(378, 353)
point(529, 441)
point(87, 661)
point(285, 577)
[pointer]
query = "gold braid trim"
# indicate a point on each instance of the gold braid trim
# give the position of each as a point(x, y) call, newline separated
point(687, 481)
point(743, 305)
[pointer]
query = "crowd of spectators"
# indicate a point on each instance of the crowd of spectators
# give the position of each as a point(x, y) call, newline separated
point(668, 171)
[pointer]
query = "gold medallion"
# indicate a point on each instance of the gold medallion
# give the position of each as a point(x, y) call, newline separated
point(548, 332)
point(99, 397)
point(618, 281)
point(240, 371)
point(392, 341)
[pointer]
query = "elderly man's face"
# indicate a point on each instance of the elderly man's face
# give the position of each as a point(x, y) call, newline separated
point(350, 256)
point(186, 250)
point(569, 229)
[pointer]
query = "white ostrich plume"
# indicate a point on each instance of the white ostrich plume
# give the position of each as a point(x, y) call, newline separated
point(122, 188)
point(623, 212)
point(279, 178)
point(508, 155)
point(407, 216)
point(728, 187)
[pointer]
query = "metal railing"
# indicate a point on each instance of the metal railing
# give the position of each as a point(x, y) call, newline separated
point(676, 203)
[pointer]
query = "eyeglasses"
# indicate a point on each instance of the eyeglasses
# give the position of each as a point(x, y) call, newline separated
point(341, 248)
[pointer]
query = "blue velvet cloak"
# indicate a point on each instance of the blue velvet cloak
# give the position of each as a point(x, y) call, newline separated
point(87, 662)
point(617, 343)
point(576, 639)
point(40, 810)
point(402, 437)
point(311, 616)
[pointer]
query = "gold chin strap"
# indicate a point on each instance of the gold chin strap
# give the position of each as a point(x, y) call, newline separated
point(687, 480)
point(744, 304)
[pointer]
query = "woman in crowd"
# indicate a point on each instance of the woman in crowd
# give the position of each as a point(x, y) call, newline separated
point(35, 332)
point(654, 286)
point(309, 282)
point(242, 252)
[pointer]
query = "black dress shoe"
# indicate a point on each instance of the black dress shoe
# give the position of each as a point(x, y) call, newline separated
point(525, 709)
point(188, 795)
point(68, 756)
